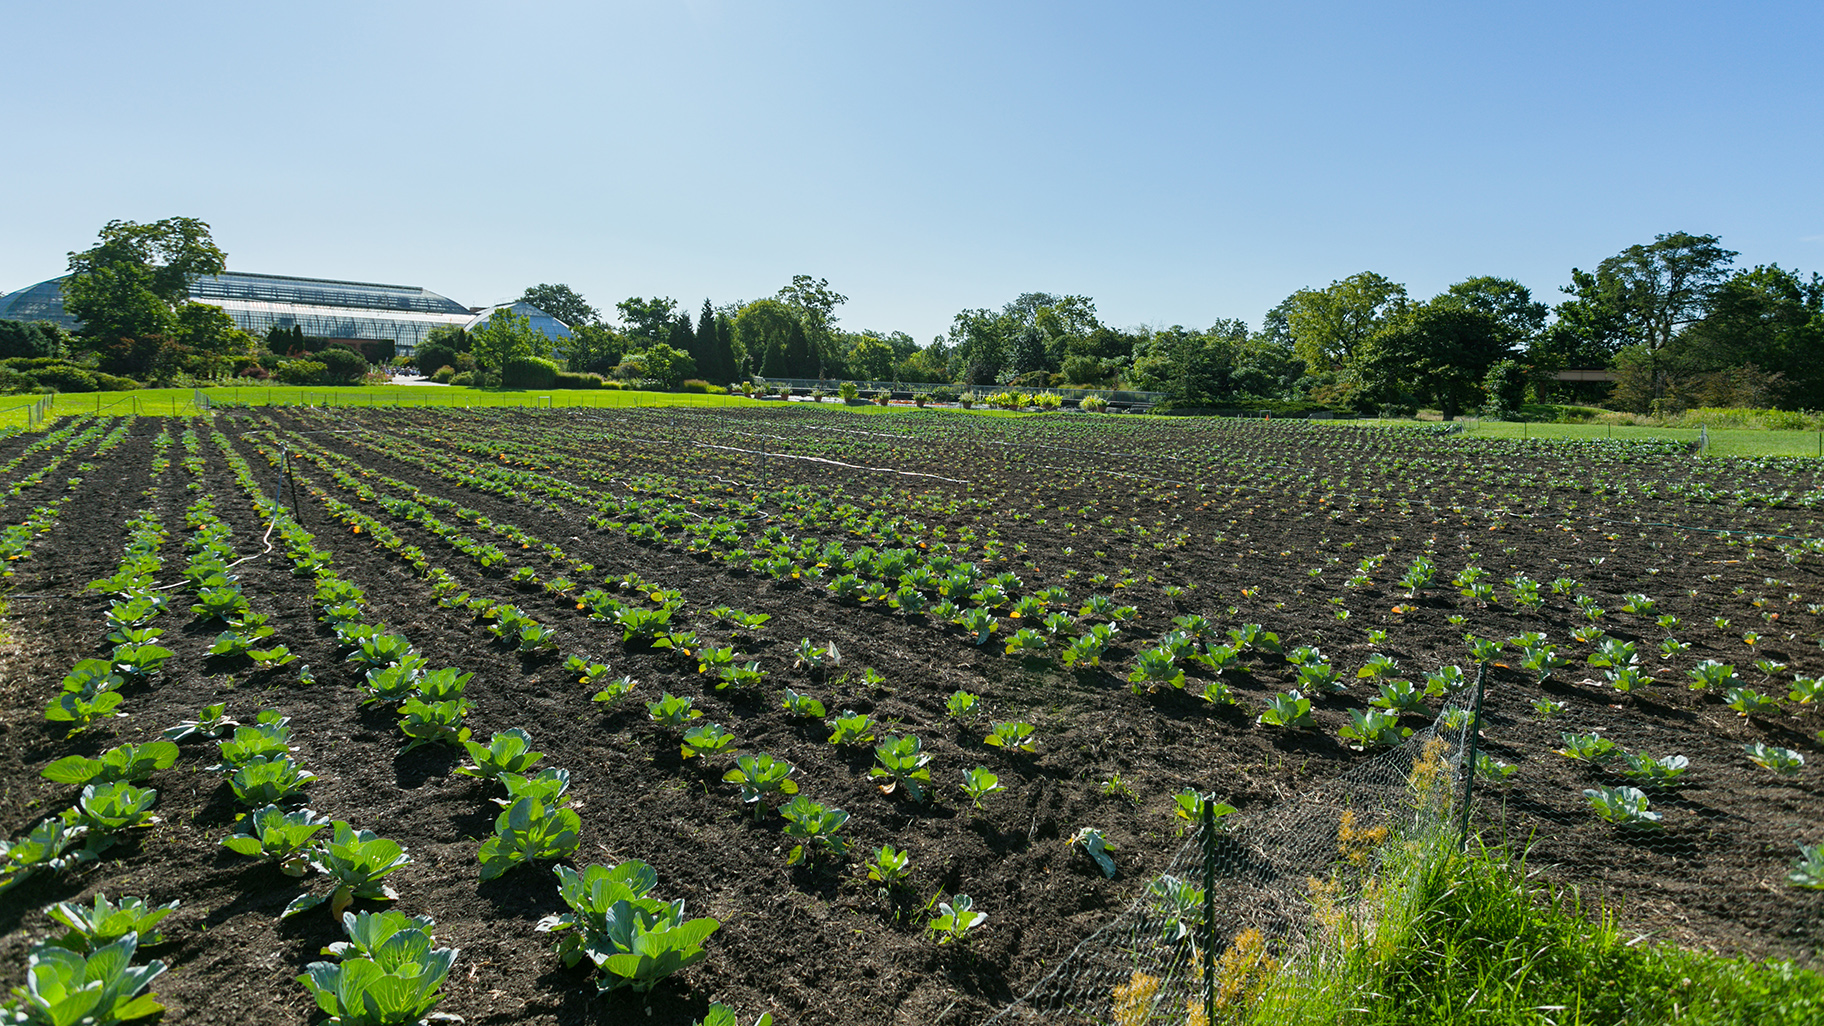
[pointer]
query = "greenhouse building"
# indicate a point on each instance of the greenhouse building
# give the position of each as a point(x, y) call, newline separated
point(325, 308)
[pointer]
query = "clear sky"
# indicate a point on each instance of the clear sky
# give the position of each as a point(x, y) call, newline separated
point(1177, 162)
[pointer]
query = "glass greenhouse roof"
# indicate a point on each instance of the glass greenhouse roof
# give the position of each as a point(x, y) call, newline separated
point(323, 307)
point(542, 322)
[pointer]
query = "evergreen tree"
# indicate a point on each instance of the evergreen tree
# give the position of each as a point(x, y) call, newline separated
point(800, 361)
point(709, 364)
point(683, 337)
point(725, 350)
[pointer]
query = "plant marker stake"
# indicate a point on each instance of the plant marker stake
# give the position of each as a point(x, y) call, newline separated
point(1209, 907)
point(294, 487)
point(1475, 730)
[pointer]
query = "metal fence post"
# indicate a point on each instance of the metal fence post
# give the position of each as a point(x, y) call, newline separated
point(1470, 754)
point(1209, 908)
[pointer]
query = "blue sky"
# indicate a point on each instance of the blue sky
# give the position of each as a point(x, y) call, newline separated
point(1177, 162)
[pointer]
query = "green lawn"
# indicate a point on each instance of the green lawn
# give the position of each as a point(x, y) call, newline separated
point(1723, 441)
point(180, 401)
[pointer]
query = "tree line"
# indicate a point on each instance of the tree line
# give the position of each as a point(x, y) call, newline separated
point(1674, 322)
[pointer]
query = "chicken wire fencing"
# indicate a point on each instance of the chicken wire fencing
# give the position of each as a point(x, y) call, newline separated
point(1237, 898)
point(1710, 865)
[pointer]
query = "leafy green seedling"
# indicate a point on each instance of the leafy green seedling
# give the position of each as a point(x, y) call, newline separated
point(128, 762)
point(707, 739)
point(102, 922)
point(211, 723)
point(761, 775)
point(526, 830)
point(672, 711)
point(356, 861)
point(1623, 806)
point(1014, 736)
point(270, 781)
point(851, 728)
point(613, 691)
point(1589, 748)
point(979, 783)
point(103, 987)
point(1783, 761)
point(508, 751)
point(815, 826)
point(1375, 728)
point(956, 919)
point(1288, 709)
point(900, 764)
point(1096, 847)
point(1749, 702)
point(1808, 868)
point(283, 837)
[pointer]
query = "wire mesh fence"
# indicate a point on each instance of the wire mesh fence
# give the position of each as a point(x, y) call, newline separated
point(1238, 897)
point(1678, 832)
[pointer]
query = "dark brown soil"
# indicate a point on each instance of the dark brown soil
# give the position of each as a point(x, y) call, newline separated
point(821, 944)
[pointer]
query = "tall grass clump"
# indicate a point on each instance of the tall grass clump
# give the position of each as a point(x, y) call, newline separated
point(1438, 935)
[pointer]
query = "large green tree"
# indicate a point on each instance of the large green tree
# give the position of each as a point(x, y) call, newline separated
point(504, 336)
point(762, 329)
point(1516, 313)
point(1437, 353)
point(1660, 288)
point(563, 303)
point(129, 284)
point(209, 333)
point(648, 320)
point(1331, 326)
point(815, 304)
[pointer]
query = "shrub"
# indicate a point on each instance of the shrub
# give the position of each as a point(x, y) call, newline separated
point(342, 365)
point(464, 379)
point(254, 371)
point(528, 372)
point(566, 379)
point(65, 378)
point(944, 394)
point(695, 385)
point(301, 372)
point(1093, 404)
point(444, 374)
point(18, 338)
point(111, 383)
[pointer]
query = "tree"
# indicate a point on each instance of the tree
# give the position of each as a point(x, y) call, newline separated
point(648, 320)
point(594, 347)
point(980, 342)
point(870, 359)
point(1519, 316)
point(18, 338)
point(1437, 353)
point(1771, 318)
point(563, 303)
point(211, 334)
point(815, 304)
point(130, 282)
point(707, 347)
point(342, 365)
point(800, 359)
point(683, 337)
point(504, 336)
point(1505, 386)
point(662, 363)
point(727, 351)
point(1660, 288)
point(1330, 326)
point(762, 329)
point(439, 348)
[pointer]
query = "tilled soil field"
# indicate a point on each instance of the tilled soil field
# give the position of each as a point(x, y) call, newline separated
point(823, 521)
